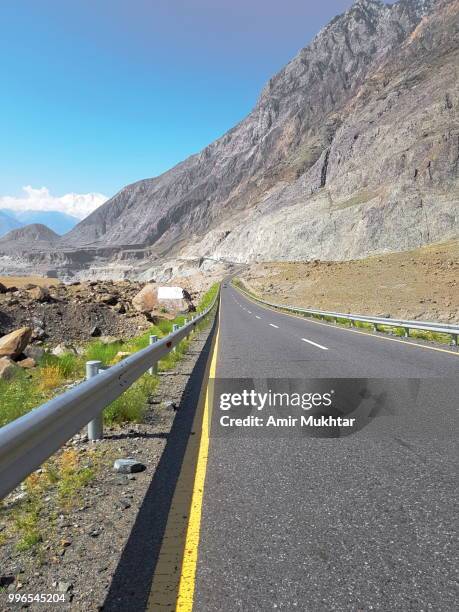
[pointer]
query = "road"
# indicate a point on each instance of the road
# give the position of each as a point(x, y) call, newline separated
point(358, 522)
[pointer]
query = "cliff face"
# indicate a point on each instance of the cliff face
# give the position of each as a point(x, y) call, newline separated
point(351, 149)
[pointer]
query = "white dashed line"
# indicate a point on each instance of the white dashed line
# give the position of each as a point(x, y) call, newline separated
point(276, 326)
point(257, 317)
point(249, 311)
point(324, 348)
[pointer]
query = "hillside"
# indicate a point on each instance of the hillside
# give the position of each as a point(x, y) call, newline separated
point(35, 233)
point(351, 150)
point(419, 284)
point(7, 223)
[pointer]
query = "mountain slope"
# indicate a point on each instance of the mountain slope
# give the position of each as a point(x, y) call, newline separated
point(352, 149)
point(7, 223)
point(59, 222)
point(35, 232)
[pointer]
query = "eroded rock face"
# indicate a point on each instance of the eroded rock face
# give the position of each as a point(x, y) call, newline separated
point(352, 149)
point(13, 344)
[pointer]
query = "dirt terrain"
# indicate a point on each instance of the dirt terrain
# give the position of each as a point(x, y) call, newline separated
point(74, 312)
point(419, 284)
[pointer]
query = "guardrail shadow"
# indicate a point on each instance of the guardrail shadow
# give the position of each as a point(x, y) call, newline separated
point(131, 584)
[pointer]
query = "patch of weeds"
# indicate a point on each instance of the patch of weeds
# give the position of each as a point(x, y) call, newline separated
point(98, 351)
point(18, 396)
point(132, 404)
point(208, 297)
point(72, 477)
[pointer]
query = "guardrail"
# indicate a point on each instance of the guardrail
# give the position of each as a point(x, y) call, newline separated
point(441, 328)
point(31, 439)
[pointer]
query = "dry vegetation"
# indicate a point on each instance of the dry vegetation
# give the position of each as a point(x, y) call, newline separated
point(419, 284)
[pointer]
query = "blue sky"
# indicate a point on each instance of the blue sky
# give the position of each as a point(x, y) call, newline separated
point(100, 93)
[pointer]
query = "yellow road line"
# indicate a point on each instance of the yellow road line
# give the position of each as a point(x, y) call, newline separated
point(173, 581)
point(354, 331)
point(187, 581)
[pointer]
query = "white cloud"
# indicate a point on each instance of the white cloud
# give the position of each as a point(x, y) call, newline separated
point(78, 205)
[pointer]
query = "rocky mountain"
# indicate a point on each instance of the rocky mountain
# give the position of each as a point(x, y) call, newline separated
point(59, 222)
point(7, 223)
point(33, 233)
point(352, 149)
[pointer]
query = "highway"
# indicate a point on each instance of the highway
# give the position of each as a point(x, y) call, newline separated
point(358, 522)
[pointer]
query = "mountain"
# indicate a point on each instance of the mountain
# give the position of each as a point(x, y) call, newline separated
point(34, 233)
point(352, 149)
point(59, 222)
point(7, 223)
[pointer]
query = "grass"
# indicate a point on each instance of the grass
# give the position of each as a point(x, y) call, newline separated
point(59, 484)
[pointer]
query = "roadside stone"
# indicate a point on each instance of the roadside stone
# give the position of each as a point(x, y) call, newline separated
point(34, 352)
point(95, 332)
point(27, 363)
point(147, 299)
point(39, 294)
point(109, 339)
point(64, 587)
point(128, 466)
point(13, 344)
point(63, 349)
point(8, 368)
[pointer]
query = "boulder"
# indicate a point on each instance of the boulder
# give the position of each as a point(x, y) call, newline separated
point(39, 294)
point(128, 466)
point(175, 300)
point(13, 344)
point(109, 299)
point(3, 289)
point(95, 332)
point(7, 368)
point(109, 339)
point(27, 363)
point(34, 352)
point(147, 299)
point(63, 349)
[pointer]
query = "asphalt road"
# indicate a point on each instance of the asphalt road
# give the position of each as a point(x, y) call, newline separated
point(359, 522)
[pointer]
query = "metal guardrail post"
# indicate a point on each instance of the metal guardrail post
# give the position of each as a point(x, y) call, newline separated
point(96, 426)
point(154, 368)
point(407, 332)
point(175, 327)
point(454, 339)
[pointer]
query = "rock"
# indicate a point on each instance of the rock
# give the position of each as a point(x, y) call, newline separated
point(8, 368)
point(147, 299)
point(95, 332)
point(109, 339)
point(124, 504)
point(121, 355)
point(64, 587)
point(28, 286)
point(128, 466)
point(109, 299)
point(34, 352)
point(39, 294)
point(27, 363)
point(63, 349)
point(3, 289)
point(14, 344)
point(38, 333)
